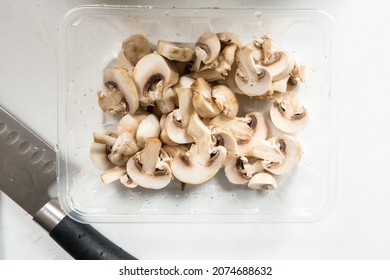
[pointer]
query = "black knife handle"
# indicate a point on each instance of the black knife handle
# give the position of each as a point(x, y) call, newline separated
point(83, 242)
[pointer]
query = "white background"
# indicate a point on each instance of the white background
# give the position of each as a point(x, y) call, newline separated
point(357, 228)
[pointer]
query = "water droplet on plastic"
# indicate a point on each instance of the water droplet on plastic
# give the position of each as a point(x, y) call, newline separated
point(257, 14)
point(12, 179)
point(167, 13)
point(12, 137)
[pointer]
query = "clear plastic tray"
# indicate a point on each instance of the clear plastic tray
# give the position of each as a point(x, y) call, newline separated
point(91, 36)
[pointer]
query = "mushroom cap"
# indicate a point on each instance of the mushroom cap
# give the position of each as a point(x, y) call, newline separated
point(149, 127)
point(187, 169)
point(152, 75)
point(233, 171)
point(175, 51)
point(288, 114)
point(136, 47)
point(129, 124)
point(166, 104)
point(122, 61)
point(262, 181)
point(202, 99)
point(292, 151)
point(118, 81)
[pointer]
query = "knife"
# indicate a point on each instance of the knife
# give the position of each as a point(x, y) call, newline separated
point(27, 169)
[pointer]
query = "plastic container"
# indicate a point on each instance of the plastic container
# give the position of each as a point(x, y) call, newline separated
point(91, 36)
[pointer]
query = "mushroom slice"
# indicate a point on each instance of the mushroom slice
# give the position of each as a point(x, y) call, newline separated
point(207, 48)
point(203, 160)
point(163, 135)
point(177, 121)
point(175, 51)
point(266, 150)
point(152, 75)
point(239, 170)
point(167, 103)
point(124, 147)
point(98, 154)
point(175, 130)
point(108, 138)
point(223, 137)
point(252, 79)
point(247, 130)
point(202, 100)
point(231, 79)
point(228, 38)
point(291, 150)
point(297, 75)
point(149, 127)
point(122, 61)
point(121, 93)
point(113, 174)
point(226, 100)
point(128, 123)
point(128, 182)
point(136, 47)
point(262, 181)
point(280, 85)
point(147, 169)
point(288, 114)
point(278, 63)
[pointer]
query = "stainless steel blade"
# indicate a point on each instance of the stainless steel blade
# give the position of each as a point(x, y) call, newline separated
point(27, 164)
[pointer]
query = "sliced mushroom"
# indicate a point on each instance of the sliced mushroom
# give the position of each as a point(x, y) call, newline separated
point(121, 93)
point(149, 127)
point(175, 51)
point(297, 75)
point(219, 68)
point(239, 170)
point(172, 151)
point(278, 63)
point(281, 85)
point(247, 130)
point(207, 48)
point(124, 147)
point(136, 47)
point(129, 123)
point(228, 38)
point(122, 61)
point(226, 100)
point(166, 104)
point(291, 150)
point(266, 150)
point(113, 174)
point(177, 121)
point(262, 181)
point(147, 169)
point(98, 155)
point(252, 79)
point(107, 138)
point(203, 160)
point(288, 114)
point(153, 75)
point(202, 100)
point(224, 137)
point(128, 182)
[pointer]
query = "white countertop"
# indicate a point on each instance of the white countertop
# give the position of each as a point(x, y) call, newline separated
point(358, 226)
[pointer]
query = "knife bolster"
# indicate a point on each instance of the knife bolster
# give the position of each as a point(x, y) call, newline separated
point(50, 215)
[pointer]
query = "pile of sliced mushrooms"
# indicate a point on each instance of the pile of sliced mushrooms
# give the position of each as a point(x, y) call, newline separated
point(179, 112)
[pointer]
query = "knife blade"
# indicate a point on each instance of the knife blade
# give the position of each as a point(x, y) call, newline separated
point(27, 169)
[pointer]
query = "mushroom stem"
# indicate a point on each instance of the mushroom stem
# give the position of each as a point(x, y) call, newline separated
point(103, 139)
point(149, 155)
point(113, 174)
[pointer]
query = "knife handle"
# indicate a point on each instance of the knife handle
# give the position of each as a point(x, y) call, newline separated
point(81, 241)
